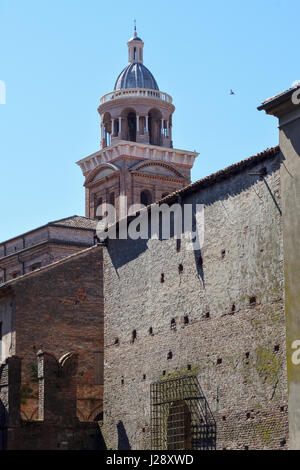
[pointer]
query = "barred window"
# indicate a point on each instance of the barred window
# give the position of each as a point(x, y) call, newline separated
point(180, 416)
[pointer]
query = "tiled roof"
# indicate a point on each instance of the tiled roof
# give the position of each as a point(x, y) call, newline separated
point(211, 179)
point(225, 173)
point(48, 266)
point(274, 98)
point(76, 221)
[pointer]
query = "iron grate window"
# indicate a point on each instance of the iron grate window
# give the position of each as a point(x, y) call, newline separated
point(180, 416)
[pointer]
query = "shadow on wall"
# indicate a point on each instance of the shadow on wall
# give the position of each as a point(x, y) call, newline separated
point(123, 442)
point(241, 178)
point(3, 426)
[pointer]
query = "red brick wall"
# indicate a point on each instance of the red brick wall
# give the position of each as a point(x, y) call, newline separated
point(60, 309)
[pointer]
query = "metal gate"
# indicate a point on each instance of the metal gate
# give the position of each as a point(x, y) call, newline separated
point(180, 416)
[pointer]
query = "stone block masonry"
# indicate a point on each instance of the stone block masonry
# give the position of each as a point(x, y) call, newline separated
point(217, 313)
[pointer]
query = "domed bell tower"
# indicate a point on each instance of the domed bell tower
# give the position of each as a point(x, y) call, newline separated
point(136, 157)
point(136, 110)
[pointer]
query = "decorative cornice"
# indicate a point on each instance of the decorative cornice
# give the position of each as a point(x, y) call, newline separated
point(91, 175)
point(144, 164)
point(157, 177)
point(137, 150)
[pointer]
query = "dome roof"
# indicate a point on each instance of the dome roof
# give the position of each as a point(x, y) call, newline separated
point(136, 75)
point(135, 38)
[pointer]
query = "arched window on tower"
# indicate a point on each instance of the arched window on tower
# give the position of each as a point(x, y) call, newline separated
point(154, 124)
point(97, 209)
point(131, 121)
point(112, 199)
point(146, 197)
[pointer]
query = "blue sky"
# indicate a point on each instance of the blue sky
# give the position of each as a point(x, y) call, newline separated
point(59, 57)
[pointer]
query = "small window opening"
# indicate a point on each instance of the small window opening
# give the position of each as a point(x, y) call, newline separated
point(150, 330)
point(164, 372)
point(170, 355)
point(282, 408)
point(162, 278)
point(178, 244)
point(276, 348)
point(207, 315)
point(173, 324)
point(186, 320)
point(133, 337)
point(219, 360)
point(223, 253)
point(252, 300)
point(144, 376)
point(247, 355)
point(283, 442)
point(232, 308)
point(122, 380)
point(180, 268)
point(248, 415)
point(224, 418)
point(189, 367)
point(116, 341)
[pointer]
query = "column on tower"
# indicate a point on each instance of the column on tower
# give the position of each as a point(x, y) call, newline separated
point(113, 127)
point(120, 128)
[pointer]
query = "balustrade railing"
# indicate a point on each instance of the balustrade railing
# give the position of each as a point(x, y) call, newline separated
point(138, 93)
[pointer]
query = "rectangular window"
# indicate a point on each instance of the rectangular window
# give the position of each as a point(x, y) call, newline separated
point(99, 367)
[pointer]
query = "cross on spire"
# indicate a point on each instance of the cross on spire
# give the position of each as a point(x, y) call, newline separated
point(134, 27)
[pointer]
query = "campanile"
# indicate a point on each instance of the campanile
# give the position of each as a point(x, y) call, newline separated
point(136, 157)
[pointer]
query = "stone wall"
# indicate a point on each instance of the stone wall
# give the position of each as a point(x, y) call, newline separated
point(217, 313)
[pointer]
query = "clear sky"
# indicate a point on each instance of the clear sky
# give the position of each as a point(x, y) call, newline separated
point(58, 57)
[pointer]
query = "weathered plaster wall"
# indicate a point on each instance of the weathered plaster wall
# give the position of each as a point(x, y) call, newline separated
point(290, 181)
point(236, 348)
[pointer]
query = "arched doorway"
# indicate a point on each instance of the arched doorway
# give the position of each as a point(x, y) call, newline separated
point(179, 426)
point(146, 198)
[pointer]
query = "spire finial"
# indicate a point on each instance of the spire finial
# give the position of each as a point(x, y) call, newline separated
point(134, 34)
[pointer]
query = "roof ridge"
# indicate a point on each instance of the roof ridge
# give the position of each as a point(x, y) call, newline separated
point(48, 266)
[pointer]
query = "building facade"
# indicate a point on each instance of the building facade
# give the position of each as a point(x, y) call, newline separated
point(45, 245)
point(194, 348)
